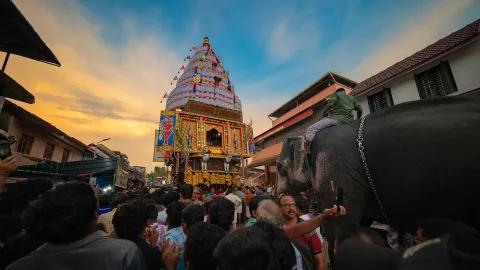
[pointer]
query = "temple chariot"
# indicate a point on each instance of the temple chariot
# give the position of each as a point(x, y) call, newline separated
point(201, 133)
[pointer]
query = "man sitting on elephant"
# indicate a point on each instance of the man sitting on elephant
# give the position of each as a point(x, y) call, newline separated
point(337, 111)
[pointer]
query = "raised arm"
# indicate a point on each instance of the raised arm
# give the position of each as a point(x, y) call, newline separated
point(308, 226)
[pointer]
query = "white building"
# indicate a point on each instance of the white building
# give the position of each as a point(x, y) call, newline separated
point(37, 139)
point(450, 66)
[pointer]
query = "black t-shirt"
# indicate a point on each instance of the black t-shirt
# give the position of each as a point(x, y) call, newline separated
point(152, 255)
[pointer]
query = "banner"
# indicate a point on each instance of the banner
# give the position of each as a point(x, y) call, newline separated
point(165, 136)
point(121, 177)
point(158, 154)
point(167, 130)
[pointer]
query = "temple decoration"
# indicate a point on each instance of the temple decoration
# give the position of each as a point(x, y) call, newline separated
point(201, 132)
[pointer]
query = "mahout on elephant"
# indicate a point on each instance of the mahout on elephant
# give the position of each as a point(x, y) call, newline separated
point(423, 158)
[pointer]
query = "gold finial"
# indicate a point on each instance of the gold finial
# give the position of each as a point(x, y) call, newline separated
point(206, 41)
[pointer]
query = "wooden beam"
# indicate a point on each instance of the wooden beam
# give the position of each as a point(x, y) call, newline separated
point(5, 61)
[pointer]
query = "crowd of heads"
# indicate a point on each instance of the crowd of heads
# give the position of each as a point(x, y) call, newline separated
point(194, 226)
point(62, 215)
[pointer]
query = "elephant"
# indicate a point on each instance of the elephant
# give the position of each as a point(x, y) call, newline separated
point(423, 157)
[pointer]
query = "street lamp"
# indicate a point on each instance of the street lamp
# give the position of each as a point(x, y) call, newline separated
point(96, 147)
point(106, 139)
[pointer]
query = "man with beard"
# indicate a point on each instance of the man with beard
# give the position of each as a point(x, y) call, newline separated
point(289, 210)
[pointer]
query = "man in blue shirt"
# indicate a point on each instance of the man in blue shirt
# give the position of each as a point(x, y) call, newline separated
point(175, 234)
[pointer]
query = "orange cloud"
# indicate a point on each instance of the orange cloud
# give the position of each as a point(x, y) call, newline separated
point(99, 91)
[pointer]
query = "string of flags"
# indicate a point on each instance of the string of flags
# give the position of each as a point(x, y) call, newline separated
point(164, 97)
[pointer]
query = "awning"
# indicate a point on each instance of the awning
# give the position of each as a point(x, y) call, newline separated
point(267, 155)
point(17, 36)
point(71, 169)
point(11, 89)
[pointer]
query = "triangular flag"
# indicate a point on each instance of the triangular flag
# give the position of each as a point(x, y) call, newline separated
point(175, 78)
point(164, 97)
point(182, 67)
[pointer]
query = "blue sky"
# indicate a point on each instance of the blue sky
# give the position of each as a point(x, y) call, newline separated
point(118, 57)
point(291, 41)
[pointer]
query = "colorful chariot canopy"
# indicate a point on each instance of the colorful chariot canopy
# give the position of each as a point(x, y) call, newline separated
point(204, 80)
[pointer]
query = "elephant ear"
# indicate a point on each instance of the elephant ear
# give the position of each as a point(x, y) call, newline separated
point(292, 161)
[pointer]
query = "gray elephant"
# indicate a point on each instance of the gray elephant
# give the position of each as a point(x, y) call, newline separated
point(423, 158)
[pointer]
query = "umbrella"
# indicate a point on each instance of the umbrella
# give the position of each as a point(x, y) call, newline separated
point(17, 36)
point(11, 89)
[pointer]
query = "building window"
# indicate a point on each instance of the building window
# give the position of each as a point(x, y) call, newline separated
point(48, 151)
point(25, 144)
point(436, 82)
point(66, 155)
point(380, 100)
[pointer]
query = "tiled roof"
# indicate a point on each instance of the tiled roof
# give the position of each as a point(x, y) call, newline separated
point(326, 80)
point(267, 155)
point(443, 45)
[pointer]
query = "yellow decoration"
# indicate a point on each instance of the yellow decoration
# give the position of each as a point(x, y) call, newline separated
point(196, 78)
point(216, 150)
point(210, 178)
point(188, 175)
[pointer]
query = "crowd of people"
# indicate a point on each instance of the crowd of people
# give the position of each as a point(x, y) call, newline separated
point(69, 226)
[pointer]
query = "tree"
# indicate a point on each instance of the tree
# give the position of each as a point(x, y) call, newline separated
point(182, 144)
point(157, 172)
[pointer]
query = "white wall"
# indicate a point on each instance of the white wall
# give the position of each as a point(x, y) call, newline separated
point(404, 89)
point(465, 66)
point(40, 142)
point(363, 102)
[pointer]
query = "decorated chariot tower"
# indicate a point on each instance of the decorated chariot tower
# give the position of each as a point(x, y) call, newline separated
point(201, 134)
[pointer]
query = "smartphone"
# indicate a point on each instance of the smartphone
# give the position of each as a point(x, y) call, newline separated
point(339, 199)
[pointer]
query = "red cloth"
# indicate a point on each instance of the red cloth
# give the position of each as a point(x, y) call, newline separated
point(312, 241)
point(248, 198)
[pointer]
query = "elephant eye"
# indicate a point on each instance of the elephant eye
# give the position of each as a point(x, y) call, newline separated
point(280, 169)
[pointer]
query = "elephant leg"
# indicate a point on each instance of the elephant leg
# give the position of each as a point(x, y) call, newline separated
point(347, 226)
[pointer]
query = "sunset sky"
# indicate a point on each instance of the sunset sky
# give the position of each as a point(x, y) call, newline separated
point(118, 57)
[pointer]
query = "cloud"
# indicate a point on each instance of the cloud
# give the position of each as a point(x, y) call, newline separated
point(258, 102)
point(100, 90)
point(291, 33)
point(282, 44)
point(437, 20)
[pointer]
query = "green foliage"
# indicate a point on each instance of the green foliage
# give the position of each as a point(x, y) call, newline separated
point(181, 141)
point(157, 172)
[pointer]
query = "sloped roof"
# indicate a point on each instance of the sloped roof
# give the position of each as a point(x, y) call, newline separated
point(452, 41)
point(19, 37)
point(31, 118)
point(324, 81)
point(267, 155)
point(11, 89)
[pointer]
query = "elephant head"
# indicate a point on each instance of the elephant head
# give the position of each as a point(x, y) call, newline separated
point(292, 169)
